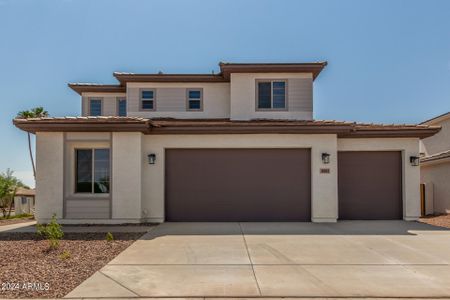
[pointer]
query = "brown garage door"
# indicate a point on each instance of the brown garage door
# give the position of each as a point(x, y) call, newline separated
point(370, 185)
point(238, 185)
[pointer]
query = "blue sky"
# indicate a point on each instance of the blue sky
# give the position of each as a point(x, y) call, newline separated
point(389, 61)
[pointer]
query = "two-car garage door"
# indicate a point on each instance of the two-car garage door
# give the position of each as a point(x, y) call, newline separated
point(238, 185)
point(225, 185)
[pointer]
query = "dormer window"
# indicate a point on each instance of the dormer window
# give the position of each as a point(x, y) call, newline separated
point(194, 99)
point(148, 100)
point(271, 95)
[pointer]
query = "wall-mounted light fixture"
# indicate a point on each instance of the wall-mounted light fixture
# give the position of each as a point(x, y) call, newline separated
point(414, 160)
point(151, 158)
point(326, 158)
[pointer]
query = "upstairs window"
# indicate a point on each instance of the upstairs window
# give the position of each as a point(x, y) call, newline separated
point(271, 95)
point(95, 107)
point(122, 107)
point(92, 171)
point(194, 101)
point(148, 100)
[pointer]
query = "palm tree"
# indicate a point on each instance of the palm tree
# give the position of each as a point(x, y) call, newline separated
point(37, 112)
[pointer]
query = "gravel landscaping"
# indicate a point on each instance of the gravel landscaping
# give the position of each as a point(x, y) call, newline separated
point(30, 270)
point(440, 220)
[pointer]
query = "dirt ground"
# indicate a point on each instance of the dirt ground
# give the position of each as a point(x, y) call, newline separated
point(29, 269)
point(441, 220)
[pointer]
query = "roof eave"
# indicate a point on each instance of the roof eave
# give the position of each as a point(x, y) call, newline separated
point(314, 68)
point(97, 88)
point(125, 78)
point(301, 129)
point(149, 126)
point(420, 133)
point(77, 126)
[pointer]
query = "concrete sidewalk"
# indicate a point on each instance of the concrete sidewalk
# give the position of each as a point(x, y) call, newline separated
point(347, 259)
point(31, 227)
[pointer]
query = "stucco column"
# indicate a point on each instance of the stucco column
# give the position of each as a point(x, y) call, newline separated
point(324, 192)
point(126, 175)
point(411, 184)
point(49, 175)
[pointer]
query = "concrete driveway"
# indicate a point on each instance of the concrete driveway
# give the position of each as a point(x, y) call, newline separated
point(346, 259)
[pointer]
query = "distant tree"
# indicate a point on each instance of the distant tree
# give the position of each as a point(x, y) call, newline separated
point(37, 112)
point(8, 188)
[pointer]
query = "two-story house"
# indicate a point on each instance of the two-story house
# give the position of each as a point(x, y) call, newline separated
point(435, 167)
point(240, 145)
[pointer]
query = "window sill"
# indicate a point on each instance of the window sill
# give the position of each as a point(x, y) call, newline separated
point(271, 109)
point(88, 197)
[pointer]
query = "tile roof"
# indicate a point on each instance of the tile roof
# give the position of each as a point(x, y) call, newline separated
point(223, 76)
point(25, 192)
point(169, 125)
point(437, 119)
point(436, 156)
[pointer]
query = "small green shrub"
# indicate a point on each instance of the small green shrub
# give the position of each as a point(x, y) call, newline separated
point(109, 237)
point(52, 232)
point(65, 255)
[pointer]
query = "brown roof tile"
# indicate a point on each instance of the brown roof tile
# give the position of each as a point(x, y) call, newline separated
point(210, 126)
point(25, 192)
point(436, 156)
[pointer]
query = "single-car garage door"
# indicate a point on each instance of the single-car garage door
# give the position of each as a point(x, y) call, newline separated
point(370, 185)
point(226, 185)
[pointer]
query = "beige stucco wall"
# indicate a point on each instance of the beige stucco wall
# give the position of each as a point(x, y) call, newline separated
point(440, 141)
point(299, 96)
point(49, 175)
point(216, 100)
point(411, 174)
point(109, 102)
point(323, 189)
point(138, 187)
point(438, 174)
point(127, 162)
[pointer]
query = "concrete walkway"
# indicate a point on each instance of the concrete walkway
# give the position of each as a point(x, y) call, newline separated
point(31, 227)
point(346, 259)
point(19, 227)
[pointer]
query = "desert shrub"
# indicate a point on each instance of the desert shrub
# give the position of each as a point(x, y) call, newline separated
point(65, 255)
point(51, 231)
point(109, 237)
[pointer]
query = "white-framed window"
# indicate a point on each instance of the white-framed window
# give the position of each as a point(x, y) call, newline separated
point(194, 99)
point(148, 99)
point(271, 95)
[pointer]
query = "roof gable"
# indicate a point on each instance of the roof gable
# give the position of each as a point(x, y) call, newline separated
point(437, 119)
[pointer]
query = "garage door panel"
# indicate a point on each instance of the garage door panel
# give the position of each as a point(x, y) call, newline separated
point(238, 185)
point(370, 185)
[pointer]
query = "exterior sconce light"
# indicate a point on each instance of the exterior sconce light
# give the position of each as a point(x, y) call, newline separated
point(326, 158)
point(414, 160)
point(151, 158)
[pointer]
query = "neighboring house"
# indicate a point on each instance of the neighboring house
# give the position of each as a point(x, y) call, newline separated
point(240, 145)
point(24, 201)
point(435, 166)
